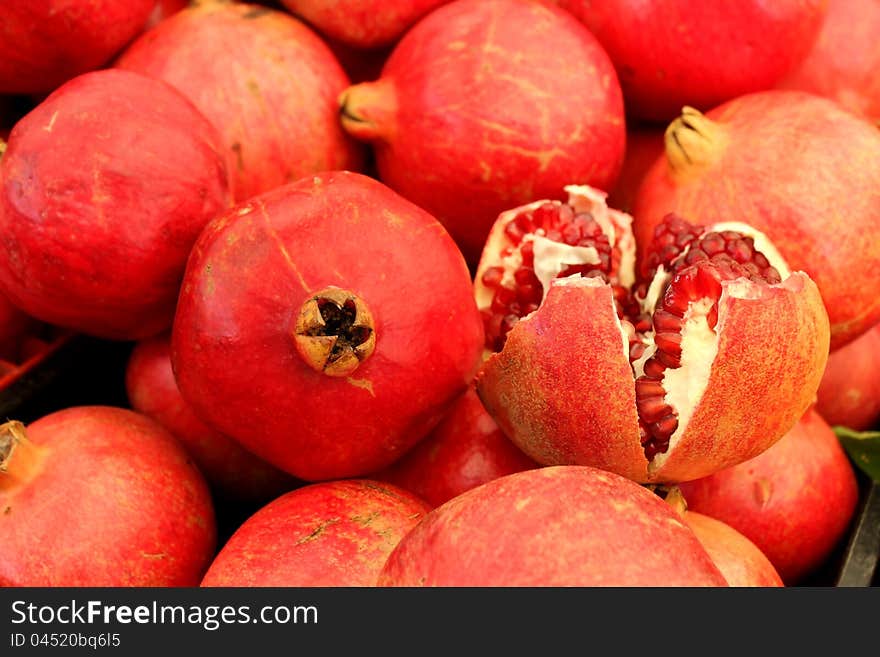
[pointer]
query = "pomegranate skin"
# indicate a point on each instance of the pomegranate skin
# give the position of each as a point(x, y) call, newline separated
point(362, 23)
point(103, 497)
point(232, 471)
point(849, 393)
point(844, 60)
point(670, 53)
point(260, 265)
point(165, 8)
point(465, 450)
point(796, 167)
point(14, 325)
point(335, 533)
point(474, 113)
point(644, 144)
point(104, 188)
point(795, 501)
point(274, 102)
point(44, 43)
point(513, 531)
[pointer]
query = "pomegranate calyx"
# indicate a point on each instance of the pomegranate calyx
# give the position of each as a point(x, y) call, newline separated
point(334, 332)
point(693, 142)
point(12, 434)
point(367, 110)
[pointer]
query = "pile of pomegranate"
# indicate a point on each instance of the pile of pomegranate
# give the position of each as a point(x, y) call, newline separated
point(441, 292)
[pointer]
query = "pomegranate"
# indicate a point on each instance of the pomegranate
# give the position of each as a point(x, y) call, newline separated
point(232, 471)
point(14, 326)
point(465, 450)
point(474, 112)
point(671, 53)
point(844, 60)
point(849, 393)
point(274, 101)
point(795, 501)
point(46, 43)
point(104, 188)
point(362, 23)
point(798, 168)
point(644, 144)
point(349, 315)
point(643, 375)
point(100, 496)
point(334, 533)
point(513, 531)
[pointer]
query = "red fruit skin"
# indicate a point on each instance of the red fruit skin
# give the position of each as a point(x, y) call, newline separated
point(232, 471)
point(165, 8)
point(363, 23)
point(738, 559)
point(517, 531)
point(671, 53)
point(104, 188)
point(792, 165)
point(465, 450)
point(794, 502)
point(844, 60)
point(247, 278)
point(644, 144)
point(335, 533)
point(112, 500)
point(274, 102)
point(44, 43)
point(476, 113)
point(849, 393)
point(14, 325)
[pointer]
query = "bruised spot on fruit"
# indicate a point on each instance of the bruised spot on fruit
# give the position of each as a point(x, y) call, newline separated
point(762, 490)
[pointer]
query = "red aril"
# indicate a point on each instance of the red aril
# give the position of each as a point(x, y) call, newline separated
point(486, 104)
point(671, 53)
point(796, 167)
point(47, 42)
point(795, 501)
point(555, 526)
point(100, 496)
point(327, 326)
point(702, 360)
point(273, 101)
point(334, 533)
point(849, 393)
point(104, 188)
point(465, 450)
point(232, 471)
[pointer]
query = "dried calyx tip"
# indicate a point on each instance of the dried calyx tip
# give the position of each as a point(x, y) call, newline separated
point(12, 434)
point(692, 140)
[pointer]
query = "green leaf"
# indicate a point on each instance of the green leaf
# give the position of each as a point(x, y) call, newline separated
point(863, 448)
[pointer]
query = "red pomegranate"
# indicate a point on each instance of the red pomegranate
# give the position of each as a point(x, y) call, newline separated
point(100, 496)
point(362, 23)
point(795, 501)
point(844, 60)
point(232, 471)
point(465, 450)
point(14, 326)
point(274, 101)
point(644, 144)
point(643, 374)
point(485, 104)
point(849, 393)
point(528, 529)
point(104, 188)
point(798, 168)
point(349, 315)
point(334, 533)
point(47, 42)
point(672, 53)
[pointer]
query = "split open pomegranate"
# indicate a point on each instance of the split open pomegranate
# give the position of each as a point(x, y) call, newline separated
point(702, 358)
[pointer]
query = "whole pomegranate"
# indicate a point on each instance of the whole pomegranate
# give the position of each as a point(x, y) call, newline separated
point(100, 496)
point(700, 360)
point(671, 53)
point(849, 393)
point(104, 188)
point(798, 168)
point(232, 471)
point(334, 533)
point(485, 104)
point(348, 313)
point(465, 450)
point(795, 501)
point(528, 529)
point(844, 60)
point(44, 43)
point(274, 101)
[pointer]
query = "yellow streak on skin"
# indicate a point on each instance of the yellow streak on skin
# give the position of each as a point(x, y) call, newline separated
point(366, 384)
point(51, 123)
point(274, 235)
